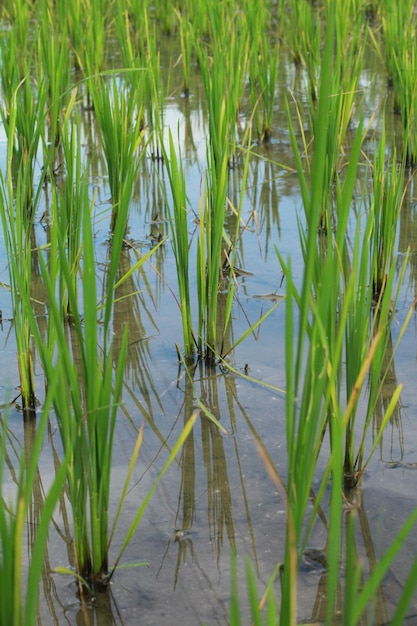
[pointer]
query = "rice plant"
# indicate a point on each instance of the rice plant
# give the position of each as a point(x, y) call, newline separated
point(398, 29)
point(385, 206)
point(72, 196)
point(186, 49)
point(314, 352)
point(179, 230)
point(18, 14)
point(78, 17)
point(343, 80)
point(17, 57)
point(303, 30)
point(130, 48)
point(350, 50)
point(54, 70)
point(222, 119)
point(223, 65)
point(154, 89)
point(397, 26)
point(263, 73)
point(23, 117)
point(89, 392)
point(17, 218)
point(119, 116)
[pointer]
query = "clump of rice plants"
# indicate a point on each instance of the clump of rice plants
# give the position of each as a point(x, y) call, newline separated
point(179, 230)
point(385, 205)
point(53, 70)
point(154, 89)
point(398, 29)
point(17, 219)
point(303, 30)
point(119, 116)
point(186, 49)
point(23, 118)
point(72, 196)
point(334, 305)
point(263, 72)
point(223, 65)
point(223, 102)
point(86, 405)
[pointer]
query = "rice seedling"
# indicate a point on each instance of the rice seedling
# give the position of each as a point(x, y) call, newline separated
point(179, 232)
point(343, 308)
point(165, 15)
point(17, 215)
point(209, 255)
point(74, 19)
point(350, 51)
point(359, 594)
point(16, 63)
point(23, 117)
point(398, 31)
point(303, 32)
point(408, 100)
point(336, 332)
point(215, 265)
point(130, 49)
point(265, 76)
point(18, 14)
point(397, 26)
point(385, 206)
point(368, 331)
point(119, 116)
point(222, 122)
point(72, 197)
point(343, 79)
point(334, 305)
point(223, 66)
point(186, 49)
point(95, 17)
point(87, 411)
point(79, 17)
point(154, 89)
point(53, 69)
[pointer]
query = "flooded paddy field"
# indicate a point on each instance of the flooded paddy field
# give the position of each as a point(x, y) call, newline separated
point(91, 273)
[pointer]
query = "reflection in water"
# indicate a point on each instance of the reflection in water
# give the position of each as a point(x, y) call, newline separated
point(205, 463)
point(264, 195)
point(361, 548)
point(407, 239)
point(219, 506)
point(130, 307)
point(391, 451)
point(100, 610)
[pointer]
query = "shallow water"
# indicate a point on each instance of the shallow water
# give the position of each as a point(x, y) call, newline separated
point(217, 497)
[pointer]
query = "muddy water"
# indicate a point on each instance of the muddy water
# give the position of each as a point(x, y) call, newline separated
point(217, 497)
